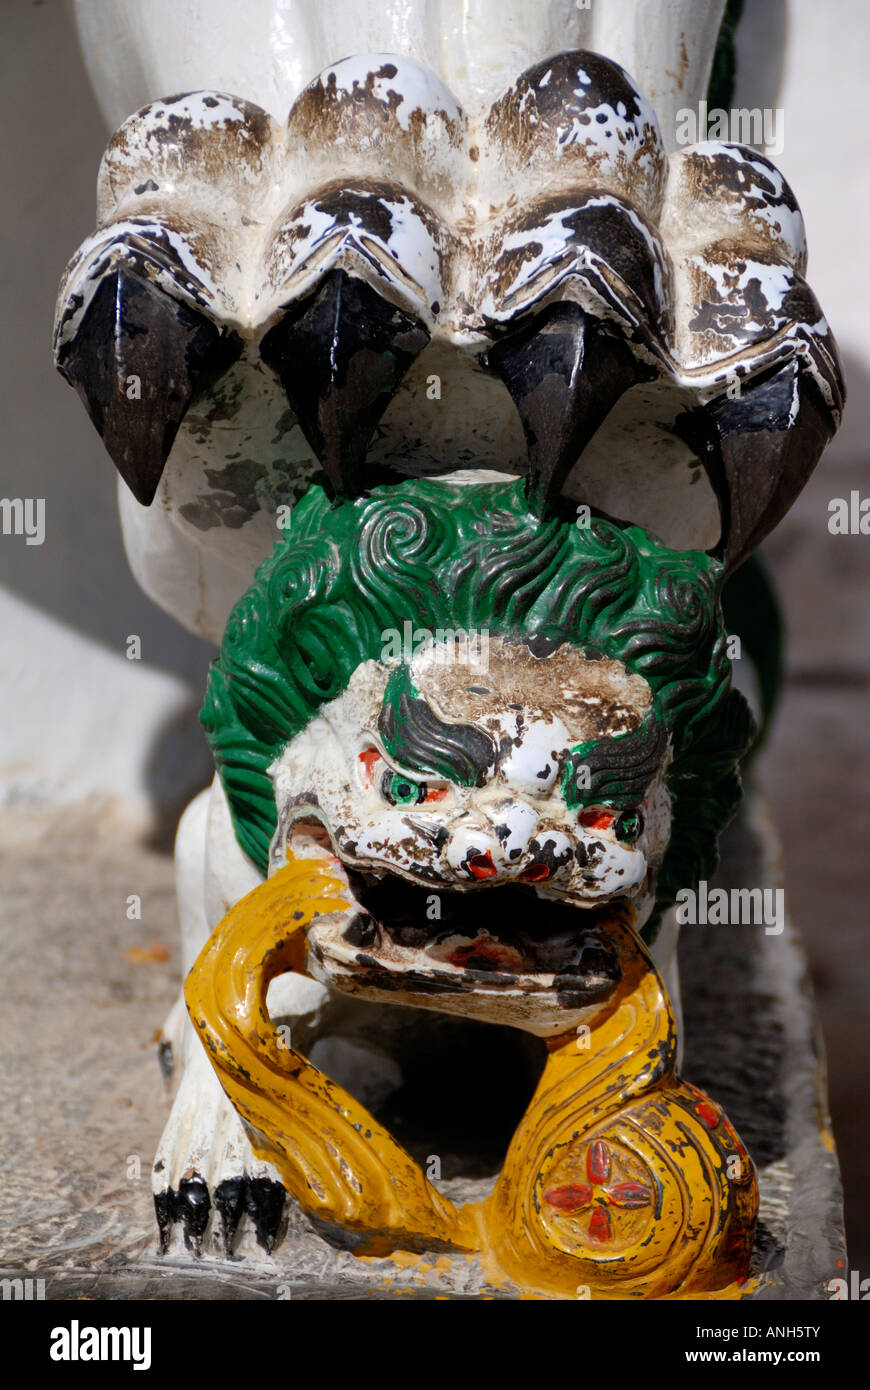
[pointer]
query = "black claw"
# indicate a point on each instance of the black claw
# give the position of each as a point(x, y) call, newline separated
point(264, 1203)
point(192, 1206)
point(340, 358)
point(229, 1198)
point(564, 372)
point(137, 360)
point(766, 443)
point(262, 1198)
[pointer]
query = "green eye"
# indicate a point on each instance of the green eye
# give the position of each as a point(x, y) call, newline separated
point(402, 791)
point(629, 827)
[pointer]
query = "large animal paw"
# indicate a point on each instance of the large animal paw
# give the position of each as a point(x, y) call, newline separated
point(207, 1182)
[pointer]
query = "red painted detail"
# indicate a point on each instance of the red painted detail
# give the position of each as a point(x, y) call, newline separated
point(598, 1161)
point(436, 794)
point(630, 1194)
point(481, 866)
point(487, 951)
point(599, 1226)
point(534, 873)
point(596, 820)
point(573, 1196)
point(708, 1113)
point(368, 760)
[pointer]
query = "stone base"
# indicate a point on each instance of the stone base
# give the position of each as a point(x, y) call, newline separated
point(84, 1103)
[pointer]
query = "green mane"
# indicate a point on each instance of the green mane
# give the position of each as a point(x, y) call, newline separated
point(474, 557)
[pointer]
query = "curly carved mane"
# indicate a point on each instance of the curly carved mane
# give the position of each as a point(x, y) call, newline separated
point(474, 557)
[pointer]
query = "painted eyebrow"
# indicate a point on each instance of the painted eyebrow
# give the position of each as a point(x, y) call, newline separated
point(620, 769)
point(416, 737)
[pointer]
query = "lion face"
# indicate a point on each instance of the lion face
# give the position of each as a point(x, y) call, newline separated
point(461, 800)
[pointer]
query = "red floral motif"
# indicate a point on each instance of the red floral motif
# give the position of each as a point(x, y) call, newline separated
point(578, 1196)
point(574, 1196)
point(599, 1226)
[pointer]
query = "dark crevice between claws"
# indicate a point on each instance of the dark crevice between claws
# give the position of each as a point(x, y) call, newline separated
point(341, 356)
point(138, 360)
point(565, 371)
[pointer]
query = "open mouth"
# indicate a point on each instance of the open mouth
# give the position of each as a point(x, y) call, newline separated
point(503, 941)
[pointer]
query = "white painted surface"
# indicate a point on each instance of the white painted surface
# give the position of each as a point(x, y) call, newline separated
point(266, 50)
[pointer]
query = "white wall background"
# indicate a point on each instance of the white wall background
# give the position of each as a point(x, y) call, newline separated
point(78, 717)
